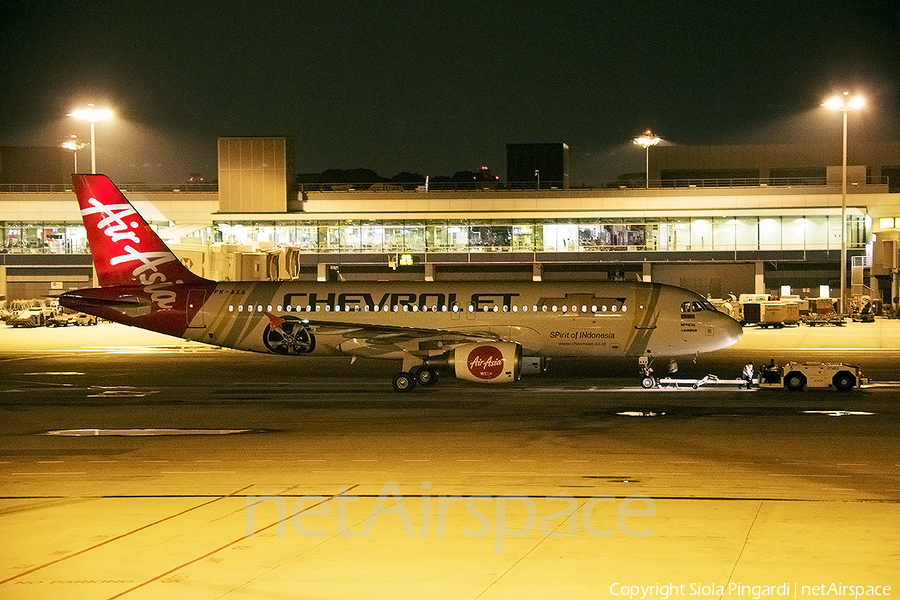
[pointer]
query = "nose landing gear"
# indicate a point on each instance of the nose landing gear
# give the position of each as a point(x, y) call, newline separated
point(647, 379)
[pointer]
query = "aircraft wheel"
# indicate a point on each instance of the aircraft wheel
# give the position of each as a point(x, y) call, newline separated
point(426, 377)
point(647, 382)
point(843, 381)
point(404, 382)
point(795, 381)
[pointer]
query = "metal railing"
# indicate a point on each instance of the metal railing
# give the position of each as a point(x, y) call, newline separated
point(555, 187)
point(54, 188)
point(547, 187)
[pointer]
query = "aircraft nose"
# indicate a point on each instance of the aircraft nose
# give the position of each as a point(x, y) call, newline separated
point(731, 331)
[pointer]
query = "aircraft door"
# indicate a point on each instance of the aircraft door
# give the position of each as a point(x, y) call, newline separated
point(644, 318)
point(645, 308)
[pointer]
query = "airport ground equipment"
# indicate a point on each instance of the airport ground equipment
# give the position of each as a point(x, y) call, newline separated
point(862, 309)
point(796, 376)
point(62, 318)
point(813, 319)
point(672, 382)
point(34, 316)
point(793, 376)
point(822, 312)
point(648, 380)
point(86, 319)
point(771, 314)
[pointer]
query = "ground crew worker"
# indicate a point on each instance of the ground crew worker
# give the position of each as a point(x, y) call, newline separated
point(748, 374)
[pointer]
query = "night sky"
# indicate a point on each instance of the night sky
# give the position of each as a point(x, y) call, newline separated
point(438, 87)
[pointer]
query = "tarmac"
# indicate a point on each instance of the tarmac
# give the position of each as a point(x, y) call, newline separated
point(135, 465)
point(883, 334)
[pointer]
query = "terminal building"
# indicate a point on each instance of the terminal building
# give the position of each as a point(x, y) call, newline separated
point(720, 220)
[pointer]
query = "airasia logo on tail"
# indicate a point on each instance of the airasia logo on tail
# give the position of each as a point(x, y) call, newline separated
point(147, 270)
point(485, 362)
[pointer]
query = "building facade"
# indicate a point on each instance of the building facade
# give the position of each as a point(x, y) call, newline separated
point(716, 235)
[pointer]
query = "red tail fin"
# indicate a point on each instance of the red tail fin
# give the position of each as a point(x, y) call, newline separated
point(125, 248)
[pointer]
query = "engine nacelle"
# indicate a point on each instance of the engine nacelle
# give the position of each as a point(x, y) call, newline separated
point(489, 362)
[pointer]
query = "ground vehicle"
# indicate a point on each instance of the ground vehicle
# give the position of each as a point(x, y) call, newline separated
point(796, 376)
point(85, 319)
point(13, 308)
point(33, 316)
point(62, 319)
point(862, 309)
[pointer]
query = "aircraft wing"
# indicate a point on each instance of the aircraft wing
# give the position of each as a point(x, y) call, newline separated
point(384, 342)
point(380, 341)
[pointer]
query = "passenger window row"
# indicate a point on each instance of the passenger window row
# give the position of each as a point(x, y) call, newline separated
point(250, 308)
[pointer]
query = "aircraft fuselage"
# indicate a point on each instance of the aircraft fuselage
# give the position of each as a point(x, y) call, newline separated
point(580, 319)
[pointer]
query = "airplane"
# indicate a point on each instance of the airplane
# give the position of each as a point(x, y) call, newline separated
point(479, 331)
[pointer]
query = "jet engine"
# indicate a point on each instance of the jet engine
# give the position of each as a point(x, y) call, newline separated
point(491, 362)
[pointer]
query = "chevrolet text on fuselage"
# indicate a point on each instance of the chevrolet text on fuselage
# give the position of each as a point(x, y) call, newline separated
point(477, 331)
point(390, 299)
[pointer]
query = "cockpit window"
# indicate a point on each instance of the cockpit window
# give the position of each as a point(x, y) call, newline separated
point(693, 306)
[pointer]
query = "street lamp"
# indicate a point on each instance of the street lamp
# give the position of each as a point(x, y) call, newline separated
point(92, 114)
point(646, 140)
point(74, 145)
point(845, 104)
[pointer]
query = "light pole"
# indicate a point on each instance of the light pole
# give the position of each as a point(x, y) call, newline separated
point(92, 115)
point(646, 140)
point(74, 145)
point(845, 104)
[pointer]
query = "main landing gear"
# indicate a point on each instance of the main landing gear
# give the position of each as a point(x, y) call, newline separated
point(405, 382)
